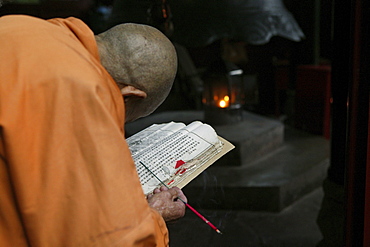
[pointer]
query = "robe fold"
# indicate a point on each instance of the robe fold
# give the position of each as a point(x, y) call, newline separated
point(66, 174)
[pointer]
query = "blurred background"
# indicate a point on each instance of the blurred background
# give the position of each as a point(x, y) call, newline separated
point(270, 40)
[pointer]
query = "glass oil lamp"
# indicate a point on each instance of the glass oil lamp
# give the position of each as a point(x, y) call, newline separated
point(223, 95)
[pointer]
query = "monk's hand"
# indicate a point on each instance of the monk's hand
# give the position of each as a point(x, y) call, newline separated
point(166, 202)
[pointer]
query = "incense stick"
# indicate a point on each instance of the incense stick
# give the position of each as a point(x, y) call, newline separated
point(186, 204)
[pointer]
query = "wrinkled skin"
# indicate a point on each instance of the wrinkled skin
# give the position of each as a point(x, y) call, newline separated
point(166, 202)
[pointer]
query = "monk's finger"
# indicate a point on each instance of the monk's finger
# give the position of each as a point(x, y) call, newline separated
point(181, 195)
point(175, 193)
point(163, 188)
point(157, 190)
point(172, 193)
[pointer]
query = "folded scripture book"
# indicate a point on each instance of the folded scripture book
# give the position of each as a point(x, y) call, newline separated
point(175, 153)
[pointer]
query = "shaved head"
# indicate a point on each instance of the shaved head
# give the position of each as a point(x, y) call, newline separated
point(142, 57)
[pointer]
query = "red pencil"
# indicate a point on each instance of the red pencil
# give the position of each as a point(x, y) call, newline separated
point(202, 217)
point(187, 204)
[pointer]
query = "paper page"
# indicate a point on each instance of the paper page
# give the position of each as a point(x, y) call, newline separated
point(181, 181)
point(205, 131)
point(193, 144)
point(151, 135)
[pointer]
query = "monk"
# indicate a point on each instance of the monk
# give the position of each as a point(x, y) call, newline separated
point(66, 174)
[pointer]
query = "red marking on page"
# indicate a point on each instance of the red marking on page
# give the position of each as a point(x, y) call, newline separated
point(183, 171)
point(179, 163)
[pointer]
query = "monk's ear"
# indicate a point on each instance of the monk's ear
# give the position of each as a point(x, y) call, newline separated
point(130, 91)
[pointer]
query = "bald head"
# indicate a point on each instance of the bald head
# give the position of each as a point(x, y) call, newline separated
point(141, 57)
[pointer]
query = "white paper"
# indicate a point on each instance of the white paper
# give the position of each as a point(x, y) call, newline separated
point(160, 146)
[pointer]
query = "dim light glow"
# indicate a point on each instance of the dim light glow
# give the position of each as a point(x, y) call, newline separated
point(236, 72)
point(222, 103)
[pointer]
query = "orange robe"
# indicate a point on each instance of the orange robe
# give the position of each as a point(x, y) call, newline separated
point(66, 174)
